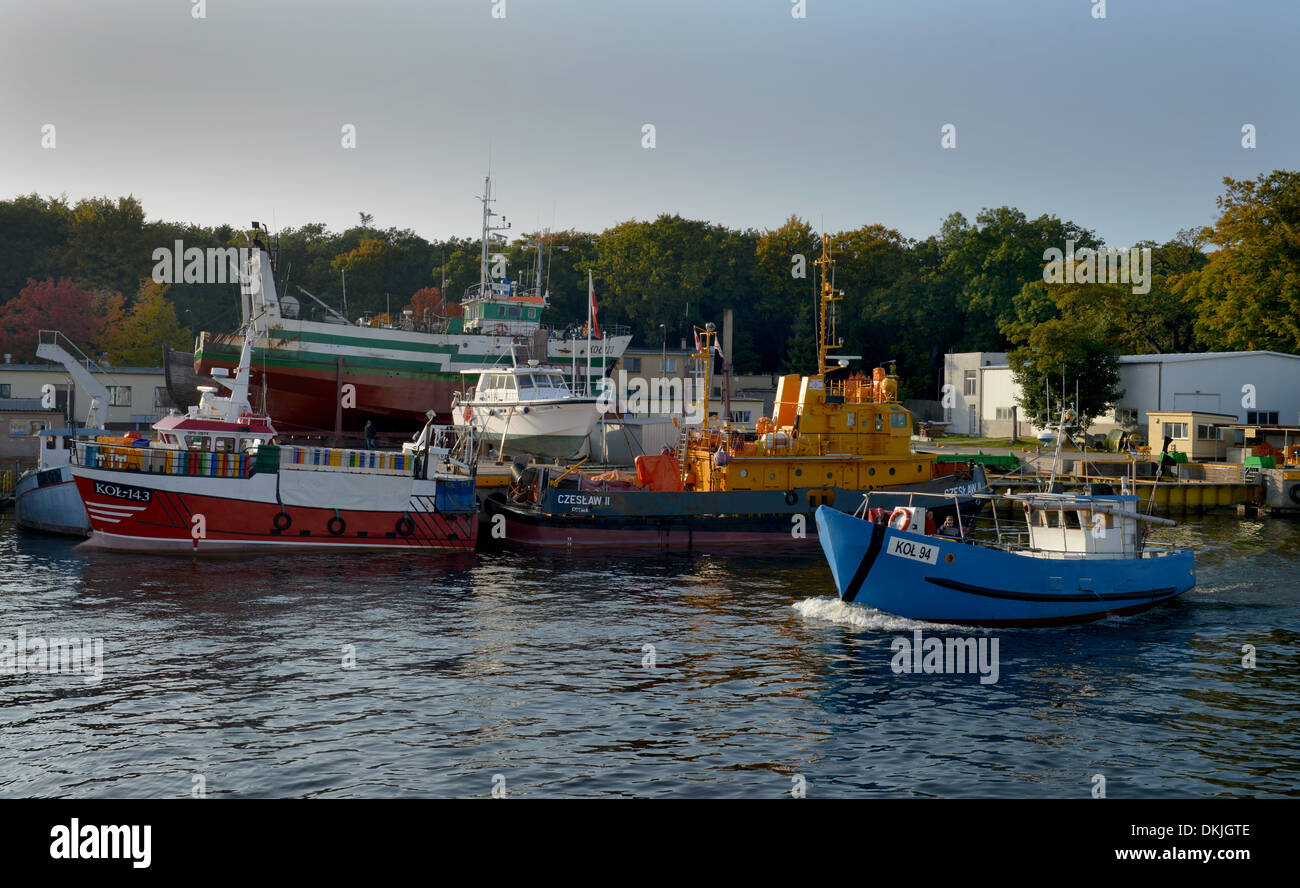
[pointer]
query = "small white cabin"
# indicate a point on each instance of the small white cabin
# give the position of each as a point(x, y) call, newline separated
point(512, 385)
point(1083, 524)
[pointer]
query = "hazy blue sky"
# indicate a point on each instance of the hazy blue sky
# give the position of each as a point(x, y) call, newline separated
point(1125, 125)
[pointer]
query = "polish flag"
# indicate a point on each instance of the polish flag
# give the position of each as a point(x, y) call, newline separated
point(591, 293)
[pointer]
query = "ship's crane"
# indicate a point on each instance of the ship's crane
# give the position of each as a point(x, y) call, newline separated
point(50, 347)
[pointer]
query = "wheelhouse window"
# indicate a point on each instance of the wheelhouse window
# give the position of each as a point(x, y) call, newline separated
point(198, 442)
point(223, 445)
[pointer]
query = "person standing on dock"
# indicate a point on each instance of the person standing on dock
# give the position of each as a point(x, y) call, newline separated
point(370, 435)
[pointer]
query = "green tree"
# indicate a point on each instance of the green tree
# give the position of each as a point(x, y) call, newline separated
point(150, 325)
point(993, 260)
point(33, 231)
point(1061, 353)
point(107, 245)
point(1247, 295)
point(801, 343)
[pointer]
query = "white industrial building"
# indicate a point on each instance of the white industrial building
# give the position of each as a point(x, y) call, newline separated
point(1257, 387)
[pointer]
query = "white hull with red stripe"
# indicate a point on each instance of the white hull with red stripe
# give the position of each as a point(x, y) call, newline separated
point(143, 511)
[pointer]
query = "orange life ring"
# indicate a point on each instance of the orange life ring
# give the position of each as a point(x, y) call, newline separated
point(900, 519)
point(502, 329)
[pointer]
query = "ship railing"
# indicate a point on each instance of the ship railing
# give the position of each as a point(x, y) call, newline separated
point(860, 391)
point(336, 459)
point(157, 461)
point(1008, 539)
point(575, 331)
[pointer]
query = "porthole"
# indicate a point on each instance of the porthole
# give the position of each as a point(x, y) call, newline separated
point(744, 473)
point(891, 470)
point(871, 471)
point(948, 558)
point(798, 472)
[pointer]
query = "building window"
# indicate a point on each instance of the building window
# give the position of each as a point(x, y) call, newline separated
point(1176, 430)
point(969, 382)
point(740, 415)
point(1208, 433)
point(667, 365)
point(38, 425)
point(17, 427)
point(119, 396)
point(1006, 413)
point(633, 365)
point(1261, 417)
point(4, 391)
point(1126, 416)
point(162, 400)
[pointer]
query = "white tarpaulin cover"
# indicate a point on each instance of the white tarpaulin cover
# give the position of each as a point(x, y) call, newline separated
point(344, 490)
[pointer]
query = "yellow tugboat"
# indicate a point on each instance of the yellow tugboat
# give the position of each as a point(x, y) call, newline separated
point(832, 438)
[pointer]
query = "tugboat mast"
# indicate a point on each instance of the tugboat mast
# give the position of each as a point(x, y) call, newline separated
point(826, 337)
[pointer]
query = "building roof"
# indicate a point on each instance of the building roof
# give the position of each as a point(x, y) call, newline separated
point(639, 351)
point(26, 405)
point(1266, 428)
point(1198, 356)
point(105, 371)
point(1231, 416)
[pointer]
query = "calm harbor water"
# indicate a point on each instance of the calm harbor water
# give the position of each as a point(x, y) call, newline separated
point(535, 667)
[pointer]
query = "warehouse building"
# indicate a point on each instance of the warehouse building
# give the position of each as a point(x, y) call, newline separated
point(1211, 390)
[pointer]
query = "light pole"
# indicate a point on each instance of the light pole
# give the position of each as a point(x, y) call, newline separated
point(663, 351)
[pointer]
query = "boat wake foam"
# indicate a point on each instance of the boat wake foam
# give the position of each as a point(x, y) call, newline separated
point(858, 616)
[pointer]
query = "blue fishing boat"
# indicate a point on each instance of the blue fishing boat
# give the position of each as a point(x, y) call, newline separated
point(1080, 557)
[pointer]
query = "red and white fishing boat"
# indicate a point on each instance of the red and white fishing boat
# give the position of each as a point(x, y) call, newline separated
point(215, 481)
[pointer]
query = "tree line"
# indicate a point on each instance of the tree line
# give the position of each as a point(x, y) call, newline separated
point(978, 285)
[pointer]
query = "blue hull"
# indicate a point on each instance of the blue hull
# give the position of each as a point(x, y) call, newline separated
point(48, 501)
point(947, 581)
